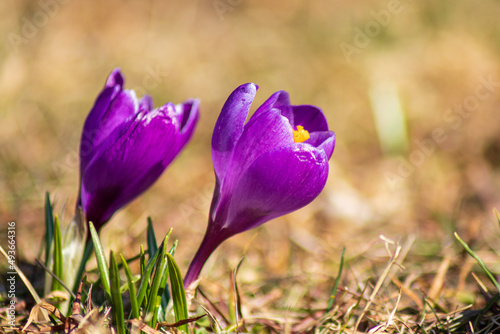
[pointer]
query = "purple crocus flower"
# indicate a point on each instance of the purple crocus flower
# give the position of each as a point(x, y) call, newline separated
point(126, 145)
point(274, 164)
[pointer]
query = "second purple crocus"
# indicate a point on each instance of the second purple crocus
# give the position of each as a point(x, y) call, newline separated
point(274, 164)
point(126, 145)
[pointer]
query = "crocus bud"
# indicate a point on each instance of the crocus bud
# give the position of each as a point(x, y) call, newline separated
point(126, 145)
point(274, 164)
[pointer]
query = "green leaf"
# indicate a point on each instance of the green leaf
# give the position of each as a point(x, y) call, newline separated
point(156, 291)
point(336, 285)
point(178, 293)
point(86, 256)
point(173, 248)
point(102, 264)
point(145, 277)
point(57, 267)
point(49, 227)
point(166, 294)
point(116, 296)
point(152, 245)
point(131, 289)
point(479, 261)
point(142, 261)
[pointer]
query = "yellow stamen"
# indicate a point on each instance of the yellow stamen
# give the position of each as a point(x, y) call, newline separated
point(300, 135)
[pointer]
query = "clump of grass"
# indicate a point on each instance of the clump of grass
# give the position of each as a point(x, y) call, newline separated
point(107, 305)
point(391, 287)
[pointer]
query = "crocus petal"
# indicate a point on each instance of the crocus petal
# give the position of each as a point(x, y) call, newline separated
point(112, 107)
point(279, 100)
point(189, 113)
point(146, 103)
point(324, 140)
point(115, 79)
point(229, 126)
point(278, 182)
point(310, 117)
point(126, 168)
point(123, 108)
point(265, 132)
point(91, 124)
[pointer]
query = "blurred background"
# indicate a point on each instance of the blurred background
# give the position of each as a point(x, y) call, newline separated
point(411, 88)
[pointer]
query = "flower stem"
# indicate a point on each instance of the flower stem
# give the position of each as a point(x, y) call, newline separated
point(208, 245)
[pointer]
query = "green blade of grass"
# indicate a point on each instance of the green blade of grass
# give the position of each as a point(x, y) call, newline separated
point(145, 277)
point(155, 293)
point(102, 264)
point(142, 295)
point(116, 296)
point(81, 269)
point(152, 245)
point(57, 267)
point(173, 248)
point(131, 289)
point(336, 284)
point(178, 293)
point(497, 215)
point(142, 261)
point(49, 227)
point(479, 261)
point(165, 298)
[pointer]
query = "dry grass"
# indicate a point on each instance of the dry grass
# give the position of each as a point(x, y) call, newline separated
point(432, 56)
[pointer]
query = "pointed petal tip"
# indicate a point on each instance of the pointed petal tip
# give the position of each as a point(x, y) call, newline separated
point(146, 103)
point(115, 78)
point(328, 145)
point(189, 115)
point(249, 87)
point(193, 103)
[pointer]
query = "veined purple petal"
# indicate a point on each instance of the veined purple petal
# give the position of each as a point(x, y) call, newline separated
point(229, 126)
point(324, 140)
point(278, 182)
point(122, 110)
point(279, 100)
point(123, 170)
point(263, 133)
point(112, 107)
point(91, 125)
point(310, 117)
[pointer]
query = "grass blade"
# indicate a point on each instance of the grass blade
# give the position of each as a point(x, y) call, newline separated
point(143, 286)
point(81, 269)
point(57, 267)
point(173, 248)
point(152, 245)
point(336, 285)
point(165, 298)
point(156, 291)
point(131, 289)
point(479, 261)
point(49, 227)
point(102, 264)
point(116, 296)
point(142, 261)
point(178, 293)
